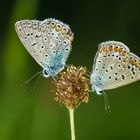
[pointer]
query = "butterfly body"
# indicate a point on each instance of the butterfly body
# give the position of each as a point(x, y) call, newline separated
point(54, 65)
point(48, 42)
point(114, 66)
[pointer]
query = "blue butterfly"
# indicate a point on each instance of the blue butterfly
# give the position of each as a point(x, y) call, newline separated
point(48, 42)
point(114, 66)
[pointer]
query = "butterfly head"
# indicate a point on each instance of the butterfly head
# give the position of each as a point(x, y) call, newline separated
point(52, 71)
point(96, 84)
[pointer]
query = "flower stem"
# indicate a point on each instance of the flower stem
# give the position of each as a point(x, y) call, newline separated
point(71, 113)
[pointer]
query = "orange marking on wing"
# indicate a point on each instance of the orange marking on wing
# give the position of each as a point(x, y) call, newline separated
point(133, 62)
point(124, 60)
point(120, 50)
point(103, 50)
point(123, 53)
point(116, 49)
point(137, 65)
point(69, 38)
point(110, 48)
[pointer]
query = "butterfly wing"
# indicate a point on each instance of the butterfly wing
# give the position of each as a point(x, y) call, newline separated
point(48, 41)
point(114, 66)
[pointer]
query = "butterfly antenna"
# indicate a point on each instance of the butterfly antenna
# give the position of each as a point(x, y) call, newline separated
point(32, 77)
point(107, 106)
point(88, 73)
point(55, 79)
point(34, 86)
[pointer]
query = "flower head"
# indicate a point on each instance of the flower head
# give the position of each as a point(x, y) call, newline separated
point(72, 87)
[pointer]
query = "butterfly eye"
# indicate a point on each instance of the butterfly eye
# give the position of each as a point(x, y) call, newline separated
point(45, 73)
point(101, 91)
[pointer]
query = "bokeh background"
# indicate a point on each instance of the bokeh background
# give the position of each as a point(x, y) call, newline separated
point(29, 112)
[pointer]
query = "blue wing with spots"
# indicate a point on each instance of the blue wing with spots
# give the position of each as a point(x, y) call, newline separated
point(48, 42)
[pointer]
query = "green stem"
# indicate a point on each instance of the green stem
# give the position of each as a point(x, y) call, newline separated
point(71, 113)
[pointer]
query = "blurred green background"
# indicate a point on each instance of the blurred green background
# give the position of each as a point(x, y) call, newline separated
point(32, 114)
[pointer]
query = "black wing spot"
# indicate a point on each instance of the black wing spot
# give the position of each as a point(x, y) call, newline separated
point(54, 52)
point(34, 44)
point(116, 79)
point(128, 67)
point(66, 49)
point(111, 67)
point(134, 72)
point(132, 69)
point(119, 65)
point(123, 77)
point(65, 42)
point(42, 47)
point(109, 77)
point(49, 33)
point(37, 36)
point(51, 45)
point(46, 55)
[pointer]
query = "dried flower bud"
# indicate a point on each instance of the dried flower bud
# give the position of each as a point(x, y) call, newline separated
point(72, 87)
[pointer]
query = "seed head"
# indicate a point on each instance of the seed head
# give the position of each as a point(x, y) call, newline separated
point(72, 87)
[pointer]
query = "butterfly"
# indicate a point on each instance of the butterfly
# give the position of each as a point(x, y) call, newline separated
point(114, 66)
point(48, 42)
